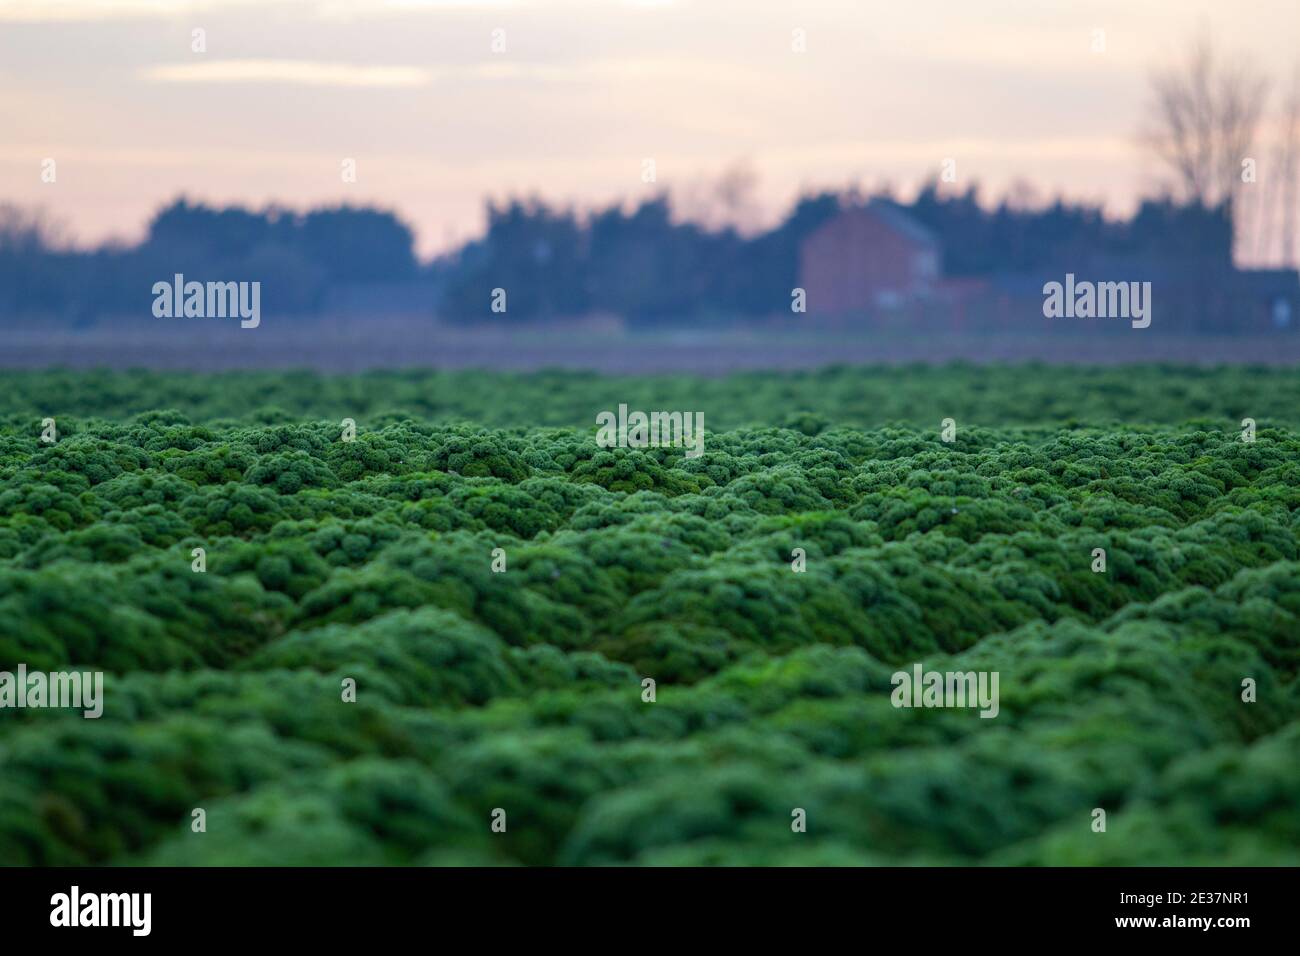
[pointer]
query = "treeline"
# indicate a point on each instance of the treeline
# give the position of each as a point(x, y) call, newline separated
point(640, 262)
point(1012, 239)
point(296, 257)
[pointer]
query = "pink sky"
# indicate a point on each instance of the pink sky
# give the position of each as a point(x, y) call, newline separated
point(582, 93)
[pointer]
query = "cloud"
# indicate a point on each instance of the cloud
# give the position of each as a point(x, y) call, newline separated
point(43, 11)
point(55, 11)
point(298, 72)
point(318, 73)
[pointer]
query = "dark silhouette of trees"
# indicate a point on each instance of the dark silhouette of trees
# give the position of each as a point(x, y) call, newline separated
point(641, 262)
point(638, 262)
point(295, 257)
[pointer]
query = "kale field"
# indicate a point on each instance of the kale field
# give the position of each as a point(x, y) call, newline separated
point(430, 643)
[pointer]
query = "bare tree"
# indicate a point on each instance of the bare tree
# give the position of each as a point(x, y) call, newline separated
point(727, 201)
point(29, 230)
point(1271, 216)
point(1288, 173)
point(1202, 125)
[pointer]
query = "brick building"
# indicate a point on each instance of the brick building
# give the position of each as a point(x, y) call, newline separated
point(868, 259)
point(874, 264)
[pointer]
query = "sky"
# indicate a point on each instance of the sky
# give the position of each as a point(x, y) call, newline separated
point(442, 104)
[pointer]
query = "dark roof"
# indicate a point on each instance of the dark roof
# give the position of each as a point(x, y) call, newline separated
point(900, 221)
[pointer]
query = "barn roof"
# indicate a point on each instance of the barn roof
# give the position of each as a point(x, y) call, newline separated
point(900, 221)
